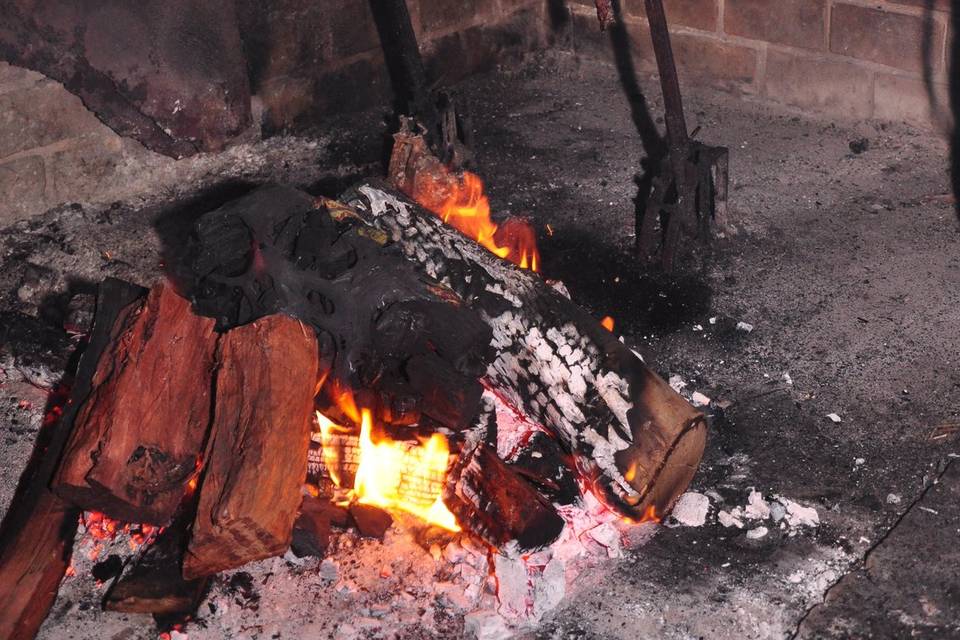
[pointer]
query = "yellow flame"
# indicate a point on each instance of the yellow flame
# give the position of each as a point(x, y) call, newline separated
point(386, 465)
point(467, 209)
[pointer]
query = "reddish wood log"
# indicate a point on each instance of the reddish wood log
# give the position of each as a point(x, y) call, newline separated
point(257, 455)
point(138, 437)
point(36, 538)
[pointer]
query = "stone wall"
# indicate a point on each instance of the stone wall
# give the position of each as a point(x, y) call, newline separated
point(307, 60)
point(845, 58)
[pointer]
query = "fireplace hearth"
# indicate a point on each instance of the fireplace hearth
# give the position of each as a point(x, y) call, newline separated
point(307, 391)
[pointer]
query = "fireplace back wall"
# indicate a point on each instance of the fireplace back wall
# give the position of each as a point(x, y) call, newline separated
point(307, 60)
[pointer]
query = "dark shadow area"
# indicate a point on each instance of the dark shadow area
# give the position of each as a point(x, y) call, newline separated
point(558, 15)
point(953, 63)
point(653, 142)
point(175, 226)
point(606, 281)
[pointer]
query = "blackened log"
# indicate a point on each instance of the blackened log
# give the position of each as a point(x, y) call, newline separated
point(633, 438)
point(36, 537)
point(548, 467)
point(139, 434)
point(256, 460)
point(278, 250)
point(153, 582)
point(493, 501)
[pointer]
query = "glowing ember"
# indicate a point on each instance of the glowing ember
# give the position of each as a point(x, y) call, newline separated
point(607, 323)
point(467, 210)
point(393, 474)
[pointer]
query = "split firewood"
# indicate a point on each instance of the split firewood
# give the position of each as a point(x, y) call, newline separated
point(256, 460)
point(36, 537)
point(494, 502)
point(278, 250)
point(138, 436)
point(633, 438)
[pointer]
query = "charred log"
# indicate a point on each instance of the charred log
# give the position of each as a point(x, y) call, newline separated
point(543, 463)
point(153, 582)
point(634, 438)
point(491, 500)
point(402, 339)
point(257, 456)
point(138, 436)
point(36, 537)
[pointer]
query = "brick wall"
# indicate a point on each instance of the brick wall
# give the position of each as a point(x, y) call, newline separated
point(307, 59)
point(845, 58)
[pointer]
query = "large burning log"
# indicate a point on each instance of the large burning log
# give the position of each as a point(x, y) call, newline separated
point(276, 249)
point(137, 438)
point(632, 436)
point(257, 457)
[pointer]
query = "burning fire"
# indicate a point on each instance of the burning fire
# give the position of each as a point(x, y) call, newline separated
point(391, 474)
point(467, 210)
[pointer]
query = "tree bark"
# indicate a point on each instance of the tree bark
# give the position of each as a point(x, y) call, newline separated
point(633, 438)
point(257, 456)
point(139, 434)
point(36, 538)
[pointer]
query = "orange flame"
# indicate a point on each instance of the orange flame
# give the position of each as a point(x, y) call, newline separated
point(385, 467)
point(607, 323)
point(467, 210)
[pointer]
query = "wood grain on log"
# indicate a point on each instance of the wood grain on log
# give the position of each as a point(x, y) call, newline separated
point(636, 440)
point(257, 455)
point(36, 538)
point(138, 436)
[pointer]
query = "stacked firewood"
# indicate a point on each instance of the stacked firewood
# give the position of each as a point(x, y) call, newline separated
point(193, 406)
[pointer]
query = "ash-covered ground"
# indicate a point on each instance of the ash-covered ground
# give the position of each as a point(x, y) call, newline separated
point(844, 258)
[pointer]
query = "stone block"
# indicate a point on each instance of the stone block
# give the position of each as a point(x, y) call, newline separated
point(885, 37)
point(798, 23)
point(819, 84)
point(22, 183)
point(87, 171)
point(711, 59)
point(905, 99)
point(438, 16)
point(352, 28)
point(938, 5)
point(698, 14)
point(40, 116)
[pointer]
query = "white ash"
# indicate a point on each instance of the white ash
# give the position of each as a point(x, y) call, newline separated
point(699, 399)
point(677, 383)
point(690, 510)
point(778, 509)
point(729, 520)
point(746, 327)
point(757, 508)
point(756, 534)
